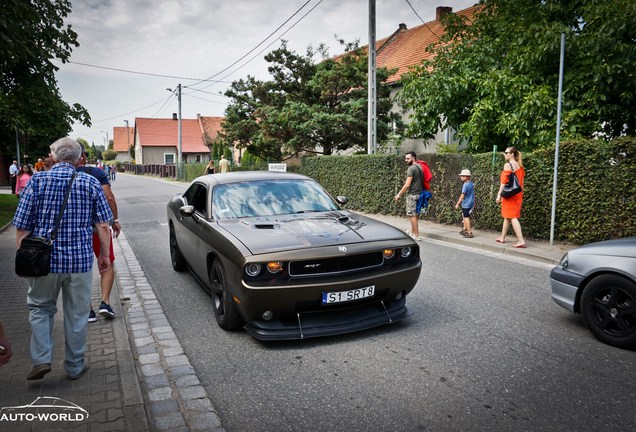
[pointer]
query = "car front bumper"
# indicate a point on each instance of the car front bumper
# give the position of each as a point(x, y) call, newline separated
point(314, 324)
point(565, 286)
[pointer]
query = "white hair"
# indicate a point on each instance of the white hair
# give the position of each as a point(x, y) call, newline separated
point(66, 150)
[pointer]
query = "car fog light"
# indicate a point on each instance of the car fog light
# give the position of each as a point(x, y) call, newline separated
point(267, 315)
point(398, 295)
point(406, 252)
point(253, 269)
point(388, 253)
point(274, 267)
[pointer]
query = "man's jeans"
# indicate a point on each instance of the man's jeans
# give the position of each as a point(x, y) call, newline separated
point(41, 300)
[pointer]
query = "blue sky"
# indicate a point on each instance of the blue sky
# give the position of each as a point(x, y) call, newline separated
point(198, 39)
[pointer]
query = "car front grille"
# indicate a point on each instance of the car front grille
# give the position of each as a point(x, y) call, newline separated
point(335, 265)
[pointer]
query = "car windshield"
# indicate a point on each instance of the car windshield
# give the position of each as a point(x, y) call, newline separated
point(269, 198)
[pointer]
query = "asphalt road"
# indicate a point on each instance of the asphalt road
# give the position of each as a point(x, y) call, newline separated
point(486, 349)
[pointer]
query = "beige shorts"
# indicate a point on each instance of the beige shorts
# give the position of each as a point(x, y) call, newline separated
point(411, 204)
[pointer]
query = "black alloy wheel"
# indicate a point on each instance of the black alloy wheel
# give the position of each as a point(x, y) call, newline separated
point(227, 317)
point(608, 306)
point(176, 258)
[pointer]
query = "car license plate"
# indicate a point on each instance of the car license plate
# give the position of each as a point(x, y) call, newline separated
point(345, 296)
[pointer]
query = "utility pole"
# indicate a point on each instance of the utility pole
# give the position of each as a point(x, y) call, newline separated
point(107, 140)
point(179, 136)
point(372, 140)
point(17, 146)
point(127, 138)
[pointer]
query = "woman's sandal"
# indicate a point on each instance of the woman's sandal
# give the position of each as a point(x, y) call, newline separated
point(467, 235)
point(500, 241)
point(519, 246)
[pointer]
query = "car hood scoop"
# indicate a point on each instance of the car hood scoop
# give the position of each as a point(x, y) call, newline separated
point(267, 234)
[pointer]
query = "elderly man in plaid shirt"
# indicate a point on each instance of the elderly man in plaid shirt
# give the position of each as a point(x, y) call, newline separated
point(71, 255)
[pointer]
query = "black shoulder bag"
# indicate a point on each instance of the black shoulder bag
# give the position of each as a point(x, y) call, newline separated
point(33, 258)
point(513, 187)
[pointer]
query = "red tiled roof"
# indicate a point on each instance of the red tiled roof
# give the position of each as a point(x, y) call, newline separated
point(120, 141)
point(155, 132)
point(211, 126)
point(406, 48)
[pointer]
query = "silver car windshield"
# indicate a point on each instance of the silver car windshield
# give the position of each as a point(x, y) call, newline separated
point(269, 198)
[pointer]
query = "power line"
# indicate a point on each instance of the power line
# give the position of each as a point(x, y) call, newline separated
point(144, 73)
point(131, 112)
point(261, 43)
point(283, 34)
point(415, 12)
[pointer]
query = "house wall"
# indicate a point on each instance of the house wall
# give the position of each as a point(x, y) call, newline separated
point(157, 155)
point(420, 146)
point(123, 157)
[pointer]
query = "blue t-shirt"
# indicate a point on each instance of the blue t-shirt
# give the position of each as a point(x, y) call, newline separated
point(468, 189)
point(98, 173)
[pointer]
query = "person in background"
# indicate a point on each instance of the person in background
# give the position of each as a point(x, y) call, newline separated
point(209, 169)
point(14, 169)
point(224, 164)
point(413, 186)
point(511, 207)
point(71, 255)
point(467, 202)
point(22, 178)
point(107, 277)
point(39, 165)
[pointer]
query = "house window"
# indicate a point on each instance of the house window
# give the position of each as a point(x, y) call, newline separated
point(169, 158)
point(198, 158)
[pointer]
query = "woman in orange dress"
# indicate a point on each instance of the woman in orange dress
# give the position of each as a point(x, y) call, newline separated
point(511, 207)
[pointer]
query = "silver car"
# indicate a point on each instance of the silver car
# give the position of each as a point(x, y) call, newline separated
point(598, 281)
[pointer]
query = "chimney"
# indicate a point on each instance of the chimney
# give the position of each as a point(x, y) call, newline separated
point(174, 116)
point(441, 11)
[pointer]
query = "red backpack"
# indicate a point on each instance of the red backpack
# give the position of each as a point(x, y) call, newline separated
point(427, 175)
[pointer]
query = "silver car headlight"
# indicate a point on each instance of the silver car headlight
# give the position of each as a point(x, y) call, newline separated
point(253, 269)
point(564, 261)
point(406, 252)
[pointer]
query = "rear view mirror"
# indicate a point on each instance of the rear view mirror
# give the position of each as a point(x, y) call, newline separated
point(342, 200)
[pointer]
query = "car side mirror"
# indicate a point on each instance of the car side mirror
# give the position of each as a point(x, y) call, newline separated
point(186, 211)
point(342, 200)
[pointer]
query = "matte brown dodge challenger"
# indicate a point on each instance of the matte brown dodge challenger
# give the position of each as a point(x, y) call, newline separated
point(280, 257)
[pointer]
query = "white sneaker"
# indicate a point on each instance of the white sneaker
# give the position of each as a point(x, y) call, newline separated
point(416, 238)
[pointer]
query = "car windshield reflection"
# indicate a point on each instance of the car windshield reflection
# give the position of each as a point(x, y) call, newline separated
point(269, 198)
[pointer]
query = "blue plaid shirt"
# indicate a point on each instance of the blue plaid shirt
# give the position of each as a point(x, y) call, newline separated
point(39, 207)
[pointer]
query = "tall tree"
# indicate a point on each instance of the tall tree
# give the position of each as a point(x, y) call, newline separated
point(495, 79)
point(32, 35)
point(307, 106)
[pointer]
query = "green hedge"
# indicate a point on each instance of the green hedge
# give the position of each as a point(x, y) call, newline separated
point(596, 194)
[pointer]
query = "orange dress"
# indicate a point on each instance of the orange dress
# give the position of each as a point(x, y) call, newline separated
point(511, 207)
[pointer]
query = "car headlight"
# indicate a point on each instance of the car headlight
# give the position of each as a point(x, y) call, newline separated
point(406, 251)
point(564, 261)
point(253, 269)
point(388, 253)
point(274, 267)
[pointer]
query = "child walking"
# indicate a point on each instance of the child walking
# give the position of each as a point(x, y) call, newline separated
point(467, 201)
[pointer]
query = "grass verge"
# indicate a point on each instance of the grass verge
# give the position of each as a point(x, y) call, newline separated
point(8, 204)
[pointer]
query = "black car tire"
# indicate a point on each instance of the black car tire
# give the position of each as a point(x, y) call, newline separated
point(176, 257)
point(227, 317)
point(608, 306)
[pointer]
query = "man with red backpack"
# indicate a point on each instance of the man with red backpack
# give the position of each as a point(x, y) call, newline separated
point(418, 177)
